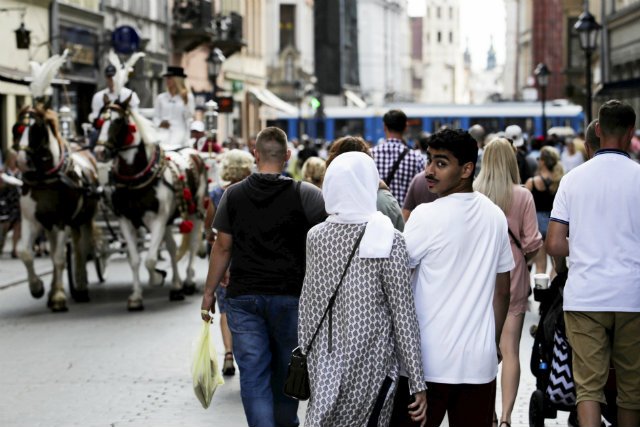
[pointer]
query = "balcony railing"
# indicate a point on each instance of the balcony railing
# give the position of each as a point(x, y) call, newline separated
point(194, 24)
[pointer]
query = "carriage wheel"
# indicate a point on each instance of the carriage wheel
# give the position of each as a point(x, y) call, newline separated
point(536, 409)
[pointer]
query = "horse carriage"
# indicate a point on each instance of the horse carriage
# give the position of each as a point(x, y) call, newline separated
point(141, 185)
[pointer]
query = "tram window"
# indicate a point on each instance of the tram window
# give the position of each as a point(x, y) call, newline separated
point(280, 124)
point(490, 124)
point(414, 129)
point(354, 127)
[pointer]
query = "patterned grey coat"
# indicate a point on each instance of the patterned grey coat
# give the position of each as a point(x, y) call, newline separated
point(374, 327)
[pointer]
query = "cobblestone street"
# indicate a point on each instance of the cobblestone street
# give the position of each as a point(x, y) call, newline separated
point(99, 365)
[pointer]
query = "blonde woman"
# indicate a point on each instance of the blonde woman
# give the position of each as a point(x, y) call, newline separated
point(499, 180)
point(313, 171)
point(174, 109)
point(543, 187)
point(236, 165)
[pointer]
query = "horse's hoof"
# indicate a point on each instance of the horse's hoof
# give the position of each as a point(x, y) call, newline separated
point(189, 288)
point(80, 295)
point(163, 275)
point(59, 306)
point(176, 295)
point(135, 305)
point(37, 289)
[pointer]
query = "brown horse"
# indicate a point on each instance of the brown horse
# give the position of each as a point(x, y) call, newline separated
point(60, 193)
point(152, 188)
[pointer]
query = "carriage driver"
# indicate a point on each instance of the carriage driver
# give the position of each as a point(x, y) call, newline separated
point(97, 102)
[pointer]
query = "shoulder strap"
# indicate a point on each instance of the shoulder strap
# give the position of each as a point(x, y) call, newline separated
point(335, 293)
point(516, 241)
point(395, 167)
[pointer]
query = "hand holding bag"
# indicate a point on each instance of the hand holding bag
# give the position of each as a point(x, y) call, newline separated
point(297, 384)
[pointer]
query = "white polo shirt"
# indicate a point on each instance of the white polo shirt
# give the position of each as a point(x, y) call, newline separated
point(600, 201)
point(458, 244)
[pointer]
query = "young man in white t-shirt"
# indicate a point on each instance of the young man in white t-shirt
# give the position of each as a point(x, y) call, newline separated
point(600, 202)
point(459, 245)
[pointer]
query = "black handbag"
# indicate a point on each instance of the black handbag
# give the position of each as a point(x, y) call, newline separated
point(296, 385)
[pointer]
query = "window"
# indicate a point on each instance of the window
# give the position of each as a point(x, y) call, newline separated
point(438, 12)
point(428, 37)
point(287, 25)
point(450, 36)
point(439, 36)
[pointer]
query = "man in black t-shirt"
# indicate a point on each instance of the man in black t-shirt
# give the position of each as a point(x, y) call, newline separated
point(262, 222)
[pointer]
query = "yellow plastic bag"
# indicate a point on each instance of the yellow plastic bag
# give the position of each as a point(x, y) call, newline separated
point(205, 372)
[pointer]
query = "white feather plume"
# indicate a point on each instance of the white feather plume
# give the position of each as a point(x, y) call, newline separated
point(121, 77)
point(44, 73)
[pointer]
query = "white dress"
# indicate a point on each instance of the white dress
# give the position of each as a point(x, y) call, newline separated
point(179, 116)
point(97, 102)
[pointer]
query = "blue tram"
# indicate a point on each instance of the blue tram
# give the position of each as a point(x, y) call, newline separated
point(367, 122)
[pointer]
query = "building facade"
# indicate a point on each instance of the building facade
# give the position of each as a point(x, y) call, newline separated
point(384, 51)
point(443, 70)
point(14, 62)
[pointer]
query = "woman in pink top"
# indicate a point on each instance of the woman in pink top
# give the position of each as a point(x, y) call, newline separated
point(499, 180)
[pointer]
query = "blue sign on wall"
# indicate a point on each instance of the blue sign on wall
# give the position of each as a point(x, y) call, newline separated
point(125, 39)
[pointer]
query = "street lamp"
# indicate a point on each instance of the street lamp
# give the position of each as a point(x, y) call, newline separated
point(542, 75)
point(299, 90)
point(588, 30)
point(214, 66)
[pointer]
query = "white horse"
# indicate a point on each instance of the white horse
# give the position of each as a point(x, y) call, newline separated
point(152, 188)
point(59, 192)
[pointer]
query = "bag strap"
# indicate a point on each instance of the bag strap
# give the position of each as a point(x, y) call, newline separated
point(335, 293)
point(516, 241)
point(395, 167)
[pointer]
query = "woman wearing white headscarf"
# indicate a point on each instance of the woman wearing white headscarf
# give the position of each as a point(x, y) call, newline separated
point(371, 330)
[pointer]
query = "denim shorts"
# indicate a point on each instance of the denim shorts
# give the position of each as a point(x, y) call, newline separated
point(543, 223)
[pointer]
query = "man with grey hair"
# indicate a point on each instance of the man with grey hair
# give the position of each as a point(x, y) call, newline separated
point(263, 220)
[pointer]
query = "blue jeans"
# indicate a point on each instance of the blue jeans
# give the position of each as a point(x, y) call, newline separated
point(265, 332)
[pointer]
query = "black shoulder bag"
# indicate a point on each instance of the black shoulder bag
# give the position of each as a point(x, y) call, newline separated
point(394, 168)
point(296, 384)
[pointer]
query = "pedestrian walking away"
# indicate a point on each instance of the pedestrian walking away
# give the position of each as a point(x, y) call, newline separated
point(385, 202)
point(598, 201)
point(263, 220)
point(499, 180)
point(459, 245)
point(396, 163)
point(370, 328)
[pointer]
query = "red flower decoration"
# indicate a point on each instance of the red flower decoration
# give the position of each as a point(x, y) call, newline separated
point(132, 128)
point(207, 167)
point(21, 129)
point(186, 194)
point(128, 139)
point(181, 177)
point(99, 123)
point(192, 208)
point(209, 180)
point(186, 226)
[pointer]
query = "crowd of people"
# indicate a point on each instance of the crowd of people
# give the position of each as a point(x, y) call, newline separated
point(422, 254)
point(408, 279)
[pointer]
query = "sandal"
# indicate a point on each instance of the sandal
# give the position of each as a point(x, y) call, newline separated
point(228, 368)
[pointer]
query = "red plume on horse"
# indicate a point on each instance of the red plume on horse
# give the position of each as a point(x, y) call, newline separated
point(152, 188)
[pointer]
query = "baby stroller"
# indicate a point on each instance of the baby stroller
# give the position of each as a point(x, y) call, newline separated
point(551, 363)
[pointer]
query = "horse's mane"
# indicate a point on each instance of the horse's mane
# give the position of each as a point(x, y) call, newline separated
point(145, 127)
point(50, 118)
